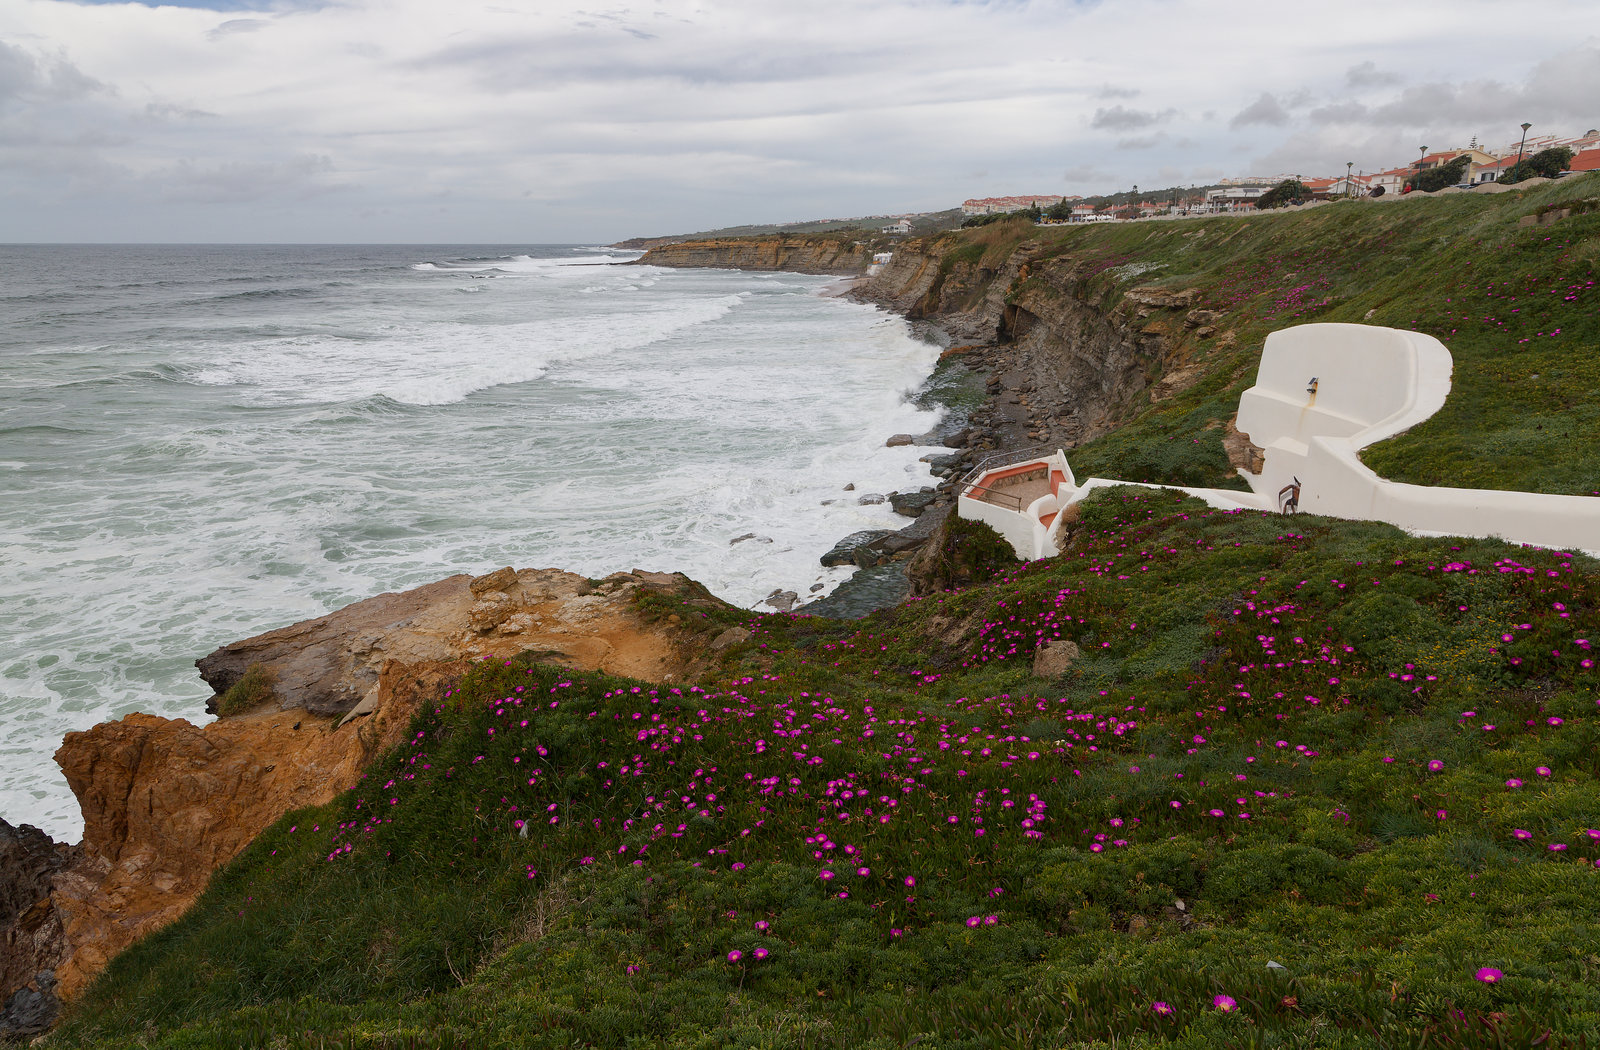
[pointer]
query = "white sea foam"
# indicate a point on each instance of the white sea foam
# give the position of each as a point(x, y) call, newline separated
point(173, 494)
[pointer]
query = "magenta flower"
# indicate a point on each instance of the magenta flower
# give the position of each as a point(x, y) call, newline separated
point(760, 953)
point(1513, 783)
point(1489, 975)
point(1435, 765)
point(974, 922)
point(762, 925)
point(1164, 1009)
point(863, 872)
point(1521, 833)
point(1225, 1003)
point(735, 955)
point(1557, 847)
point(1543, 771)
point(1593, 833)
point(825, 875)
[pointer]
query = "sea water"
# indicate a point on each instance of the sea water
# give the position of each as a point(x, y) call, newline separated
point(201, 443)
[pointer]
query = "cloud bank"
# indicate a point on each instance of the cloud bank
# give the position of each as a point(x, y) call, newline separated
point(409, 120)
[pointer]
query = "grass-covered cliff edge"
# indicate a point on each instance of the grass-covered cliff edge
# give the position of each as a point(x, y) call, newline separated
point(1368, 760)
point(1306, 782)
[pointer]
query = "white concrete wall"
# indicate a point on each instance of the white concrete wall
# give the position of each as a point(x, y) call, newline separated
point(1372, 383)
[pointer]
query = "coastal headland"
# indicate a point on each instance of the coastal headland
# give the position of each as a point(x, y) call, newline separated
point(1126, 345)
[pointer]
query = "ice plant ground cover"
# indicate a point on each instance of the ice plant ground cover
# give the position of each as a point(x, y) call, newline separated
point(1369, 760)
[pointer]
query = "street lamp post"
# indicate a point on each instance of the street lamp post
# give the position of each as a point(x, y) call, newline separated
point(1524, 141)
point(1349, 190)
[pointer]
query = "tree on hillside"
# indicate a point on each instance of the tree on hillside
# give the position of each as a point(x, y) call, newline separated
point(1061, 209)
point(1546, 164)
point(1284, 192)
point(1444, 175)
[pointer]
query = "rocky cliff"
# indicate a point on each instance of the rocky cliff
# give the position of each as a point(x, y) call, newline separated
point(166, 802)
point(795, 254)
point(1069, 356)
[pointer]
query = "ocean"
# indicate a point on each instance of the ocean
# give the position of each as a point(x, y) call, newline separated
point(200, 443)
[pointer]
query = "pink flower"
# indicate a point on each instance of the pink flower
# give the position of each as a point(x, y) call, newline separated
point(1543, 771)
point(1521, 833)
point(1225, 1003)
point(1435, 765)
point(735, 955)
point(1513, 783)
point(1489, 975)
point(825, 875)
point(760, 953)
point(1164, 1009)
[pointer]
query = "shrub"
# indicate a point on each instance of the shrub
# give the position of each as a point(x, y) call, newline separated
point(1283, 193)
point(251, 690)
point(1443, 175)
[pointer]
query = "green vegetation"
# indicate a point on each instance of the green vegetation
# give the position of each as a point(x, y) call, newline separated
point(1309, 783)
point(1437, 178)
point(1546, 164)
point(1286, 192)
point(254, 687)
point(1515, 305)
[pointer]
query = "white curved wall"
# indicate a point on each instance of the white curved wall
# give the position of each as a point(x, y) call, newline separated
point(1372, 383)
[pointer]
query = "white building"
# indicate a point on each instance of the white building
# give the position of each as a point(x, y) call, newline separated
point(991, 205)
point(901, 227)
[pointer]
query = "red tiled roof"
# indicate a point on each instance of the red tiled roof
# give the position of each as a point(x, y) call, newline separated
point(1588, 160)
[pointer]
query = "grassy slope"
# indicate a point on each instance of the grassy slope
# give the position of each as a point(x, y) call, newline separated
point(1249, 731)
point(1518, 307)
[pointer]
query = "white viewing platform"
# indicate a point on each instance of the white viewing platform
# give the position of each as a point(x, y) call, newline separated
point(1323, 392)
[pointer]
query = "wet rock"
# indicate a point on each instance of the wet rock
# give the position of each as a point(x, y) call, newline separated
point(749, 536)
point(911, 504)
point(1054, 657)
point(879, 587)
point(781, 600)
point(850, 487)
point(871, 499)
point(897, 440)
point(845, 552)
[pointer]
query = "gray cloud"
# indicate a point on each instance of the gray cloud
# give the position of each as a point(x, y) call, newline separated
point(1264, 110)
point(234, 26)
point(22, 76)
point(1109, 92)
point(1142, 141)
point(1368, 75)
point(1339, 113)
point(241, 181)
point(1120, 118)
point(1088, 173)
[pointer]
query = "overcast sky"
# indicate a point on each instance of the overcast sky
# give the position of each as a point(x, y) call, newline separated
point(549, 121)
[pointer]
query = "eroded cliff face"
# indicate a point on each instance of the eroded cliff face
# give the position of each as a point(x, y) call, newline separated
point(1078, 358)
point(797, 254)
point(166, 802)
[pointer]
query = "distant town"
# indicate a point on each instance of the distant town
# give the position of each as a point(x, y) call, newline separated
point(1475, 164)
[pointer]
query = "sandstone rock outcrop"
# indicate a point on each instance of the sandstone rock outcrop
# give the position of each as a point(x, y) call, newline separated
point(166, 802)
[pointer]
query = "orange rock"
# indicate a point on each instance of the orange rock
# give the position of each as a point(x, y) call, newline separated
point(166, 802)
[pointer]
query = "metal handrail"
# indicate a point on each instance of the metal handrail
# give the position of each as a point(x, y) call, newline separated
point(988, 492)
point(994, 457)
